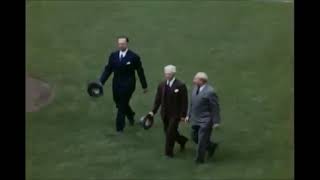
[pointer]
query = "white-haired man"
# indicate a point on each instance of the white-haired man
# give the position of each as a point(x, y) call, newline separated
point(172, 96)
point(203, 114)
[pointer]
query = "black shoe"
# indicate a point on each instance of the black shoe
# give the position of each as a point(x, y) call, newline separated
point(131, 122)
point(169, 156)
point(119, 133)
point(199, 161)
point(212, 150)
point(131, 119)
point(183, 145)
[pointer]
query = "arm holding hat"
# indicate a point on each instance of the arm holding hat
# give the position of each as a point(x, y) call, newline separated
point(106, 72)
point(157, 101)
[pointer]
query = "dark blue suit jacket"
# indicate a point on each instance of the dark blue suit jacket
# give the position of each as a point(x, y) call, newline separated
point(124, 79)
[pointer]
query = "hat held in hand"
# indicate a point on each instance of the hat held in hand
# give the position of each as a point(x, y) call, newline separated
point(95, 89)
point(146, 121)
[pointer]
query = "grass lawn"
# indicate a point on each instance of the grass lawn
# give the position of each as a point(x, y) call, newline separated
point(246, 47)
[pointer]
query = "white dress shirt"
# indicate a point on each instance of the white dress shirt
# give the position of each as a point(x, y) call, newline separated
point(170, 82)
point(201, 88)
point(123, 53)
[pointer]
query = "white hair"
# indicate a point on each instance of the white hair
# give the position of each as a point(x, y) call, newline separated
point(170, 69)
point(201, 75)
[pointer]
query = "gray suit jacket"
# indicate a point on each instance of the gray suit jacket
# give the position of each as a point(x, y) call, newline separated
point(204, 108)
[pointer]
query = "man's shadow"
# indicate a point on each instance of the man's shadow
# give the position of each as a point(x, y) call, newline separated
point(221, 154)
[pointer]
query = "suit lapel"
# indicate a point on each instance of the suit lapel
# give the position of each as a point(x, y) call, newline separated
point(194, 93)
point(203, 90)
point(124, 59)
point(162, 90)
point(118, 58)
point(174, 85)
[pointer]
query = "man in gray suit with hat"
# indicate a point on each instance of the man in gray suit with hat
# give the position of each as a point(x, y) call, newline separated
point(203, 115)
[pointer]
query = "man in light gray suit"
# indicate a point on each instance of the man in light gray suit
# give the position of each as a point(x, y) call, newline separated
point(203, 115)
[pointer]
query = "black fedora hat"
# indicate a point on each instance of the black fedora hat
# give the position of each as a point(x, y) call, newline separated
point(95, 89)
point(146, 121)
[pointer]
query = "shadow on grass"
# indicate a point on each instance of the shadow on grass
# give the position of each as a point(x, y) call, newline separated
point(221, 154)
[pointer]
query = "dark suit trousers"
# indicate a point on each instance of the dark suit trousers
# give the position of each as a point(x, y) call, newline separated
point(201, 136)
point(170, 127)
point(122, 100)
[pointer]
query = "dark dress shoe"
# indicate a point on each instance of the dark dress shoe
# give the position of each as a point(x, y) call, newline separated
point(169, 156)
point(131, 119)
point(183, 145)
point(131, 122)
point(198, 161)
point(212, 149)
point(119, 133)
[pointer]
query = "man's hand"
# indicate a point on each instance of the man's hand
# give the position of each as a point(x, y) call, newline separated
point(96, 91)
point(186, 119)
point(216, 126)
point(151, 113)
point(145, 90)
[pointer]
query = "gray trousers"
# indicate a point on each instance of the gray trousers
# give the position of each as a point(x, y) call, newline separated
point(201, 134)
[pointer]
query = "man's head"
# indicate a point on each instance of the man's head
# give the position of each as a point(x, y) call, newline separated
point(169, 72)
point(200, 79)
point(123, 43)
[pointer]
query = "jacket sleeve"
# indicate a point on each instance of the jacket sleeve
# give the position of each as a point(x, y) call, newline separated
point(184, 100)
point(190, 106)
point(214, 107)
point(140, 72)
point(157, 100)
point(107, 71)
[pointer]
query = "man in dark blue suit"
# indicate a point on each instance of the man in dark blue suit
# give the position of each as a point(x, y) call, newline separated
point(123, 63)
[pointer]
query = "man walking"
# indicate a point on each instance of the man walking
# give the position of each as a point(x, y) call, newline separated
point(203, 114)
point(172, 96)
point(123, 63)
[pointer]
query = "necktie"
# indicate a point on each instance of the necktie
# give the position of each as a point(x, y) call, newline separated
point(198, 90)
point(121, 57)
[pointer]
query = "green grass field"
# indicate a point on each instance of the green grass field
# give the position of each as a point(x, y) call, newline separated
point(246, 47)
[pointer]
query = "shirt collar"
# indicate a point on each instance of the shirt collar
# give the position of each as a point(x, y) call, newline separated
point(171, 82)
point(202, 87)
point(123, 52)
